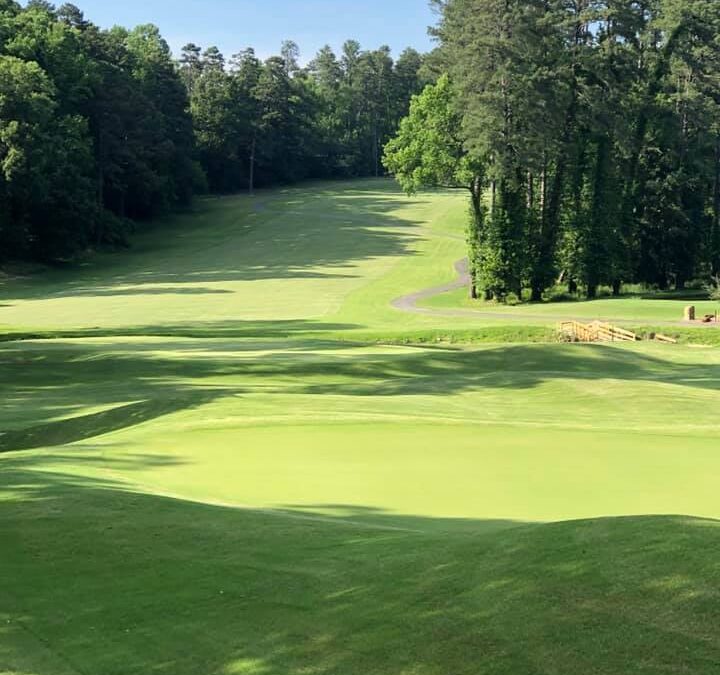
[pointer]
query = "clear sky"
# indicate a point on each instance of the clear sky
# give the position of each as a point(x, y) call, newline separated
point(233, 25)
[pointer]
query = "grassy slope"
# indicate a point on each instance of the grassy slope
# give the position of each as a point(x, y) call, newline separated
point(281, 504)
point(438, 432)
point(309, 259)
point(325, 260)
point(139, 584)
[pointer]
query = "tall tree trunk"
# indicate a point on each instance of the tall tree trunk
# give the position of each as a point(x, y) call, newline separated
point(596, 259)
point(715, 235)
point(530, 191)
point(251, 180)
point(475, 232)
point(100, 184)
point(543, 185)
point(100, 229)
point(376, 154)
point(550, 218)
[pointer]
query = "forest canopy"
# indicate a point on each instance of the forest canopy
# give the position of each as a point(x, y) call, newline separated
point(102, 128)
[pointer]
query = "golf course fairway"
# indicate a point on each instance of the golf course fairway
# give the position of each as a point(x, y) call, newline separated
point(225, 452)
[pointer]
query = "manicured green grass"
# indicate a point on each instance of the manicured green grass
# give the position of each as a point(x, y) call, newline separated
point(323, 258)
point(266, 479)
point(427, 431)
point(139, 584)
point(630, 309)
point(323, 261)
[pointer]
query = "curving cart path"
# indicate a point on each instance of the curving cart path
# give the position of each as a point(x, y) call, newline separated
point(409, 303)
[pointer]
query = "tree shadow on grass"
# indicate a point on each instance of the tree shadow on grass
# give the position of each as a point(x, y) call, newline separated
point(82, 427)
point(105, 580)
point(142, 381)
point(156, 290)
point(316, 233)
point(229, 328)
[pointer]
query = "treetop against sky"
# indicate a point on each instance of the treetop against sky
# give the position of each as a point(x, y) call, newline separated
point(233, 25)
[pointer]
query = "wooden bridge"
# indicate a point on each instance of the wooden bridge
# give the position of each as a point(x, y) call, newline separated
point(597, 331)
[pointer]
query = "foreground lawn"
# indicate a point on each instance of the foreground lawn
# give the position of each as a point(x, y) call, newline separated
point(210, 470)
point(100, 580)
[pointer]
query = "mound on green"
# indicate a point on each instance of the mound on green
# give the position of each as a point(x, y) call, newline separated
point(211, 473)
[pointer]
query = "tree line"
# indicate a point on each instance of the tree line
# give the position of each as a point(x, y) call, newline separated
point(587, 133)
point(102, 128)
point(273, 121)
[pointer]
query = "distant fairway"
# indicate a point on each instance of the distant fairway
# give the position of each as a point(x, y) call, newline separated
point(209, 472)
point(320, 260)
point(332, 256)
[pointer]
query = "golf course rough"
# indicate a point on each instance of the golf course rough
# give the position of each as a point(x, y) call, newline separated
point(227, 461)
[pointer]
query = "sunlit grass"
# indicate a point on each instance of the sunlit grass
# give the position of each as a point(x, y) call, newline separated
point(229, 454)
point(632, 309)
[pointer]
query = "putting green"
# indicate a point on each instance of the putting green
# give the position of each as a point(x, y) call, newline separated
point(515, 432)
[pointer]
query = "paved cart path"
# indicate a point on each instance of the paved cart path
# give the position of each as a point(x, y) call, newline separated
point(410, 303)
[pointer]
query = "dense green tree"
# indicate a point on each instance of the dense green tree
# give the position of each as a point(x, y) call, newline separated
point(428, 152)
point(191, 65)
point(94, 127)
point(215, 116)
point(597, 124)
point(260, 123)
point(45, 153)
point(290, 54)
point(100, 128)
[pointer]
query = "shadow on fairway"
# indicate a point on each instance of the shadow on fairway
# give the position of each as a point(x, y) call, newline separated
point(101, 580)
point(311, 233)
point(145, 380)
point(239, 328)
point(162, 290)
point(87, 426)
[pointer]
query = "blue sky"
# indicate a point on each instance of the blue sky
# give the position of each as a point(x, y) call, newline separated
point(235, 24)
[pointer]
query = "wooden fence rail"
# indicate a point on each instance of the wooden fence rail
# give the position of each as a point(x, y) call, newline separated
point(597, 331)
